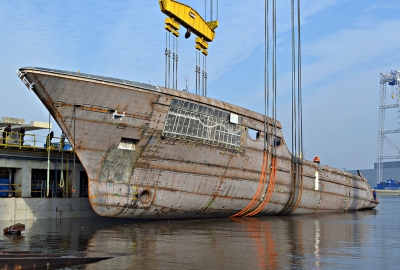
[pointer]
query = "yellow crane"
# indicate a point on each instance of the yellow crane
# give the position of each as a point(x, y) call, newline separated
point(181, 14)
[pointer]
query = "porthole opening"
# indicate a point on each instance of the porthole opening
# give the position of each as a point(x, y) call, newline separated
point(144, 196)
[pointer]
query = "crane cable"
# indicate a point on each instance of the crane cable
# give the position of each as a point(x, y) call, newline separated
point(300, 101)
point(274, 85)
point(197, 71)
point(166, 58)
point(169, 59)
point(297, 170)
point(272, 178)
point(259, 195)
point(176, 66)
point(294, 130)
point(173, 63)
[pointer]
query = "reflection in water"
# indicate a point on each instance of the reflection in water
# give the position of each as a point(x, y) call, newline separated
point(317, 231)
point(295, 234)
point(260, 232)
point(346, 241)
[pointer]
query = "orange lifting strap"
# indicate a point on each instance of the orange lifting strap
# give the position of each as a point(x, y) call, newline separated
point(249, 209)
point(268, 193)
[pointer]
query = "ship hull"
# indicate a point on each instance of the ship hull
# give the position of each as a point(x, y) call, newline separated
point(153, 152)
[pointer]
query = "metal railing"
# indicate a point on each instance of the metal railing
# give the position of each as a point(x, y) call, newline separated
point(16, 139)
point(32, 141)
point(39, 189)
point(11, 191)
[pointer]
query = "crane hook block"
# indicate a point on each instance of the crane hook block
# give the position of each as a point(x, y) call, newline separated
point(189, 18)
point(174, 25)
point(170, 29)
point(201, 43)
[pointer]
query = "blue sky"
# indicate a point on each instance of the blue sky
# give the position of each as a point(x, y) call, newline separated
point(346, 44)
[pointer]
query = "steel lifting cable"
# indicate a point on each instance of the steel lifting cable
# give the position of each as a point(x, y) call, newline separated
point(211, 11)
point(169, 59)
point(294, 167)
point(259, 190)
point(266, 75)
point(290, 207)
point(300, 105)
point(297, 170)
point(205, 76)
point(176, 66)
point(166, 57)
point(202, 77)
point(173, 63)
point(299, 133)
point(195, 70)
point(300, 191)
point(274, 84)
point(294, 131)
point(262, 181)
point(198, 72)
point(205, 10)
point(291, 196)
point(271, 184)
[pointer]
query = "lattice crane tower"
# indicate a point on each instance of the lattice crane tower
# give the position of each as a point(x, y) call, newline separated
point(392, 79)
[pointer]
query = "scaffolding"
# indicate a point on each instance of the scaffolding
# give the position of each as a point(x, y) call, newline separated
point(392, 79)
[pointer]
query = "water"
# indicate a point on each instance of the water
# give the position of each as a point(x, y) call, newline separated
point(359, 240)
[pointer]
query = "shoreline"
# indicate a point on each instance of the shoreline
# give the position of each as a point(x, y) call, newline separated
point(383, 192)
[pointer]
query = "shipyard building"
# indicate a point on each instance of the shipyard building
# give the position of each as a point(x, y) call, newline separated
point(39, 180)
point(391, 172)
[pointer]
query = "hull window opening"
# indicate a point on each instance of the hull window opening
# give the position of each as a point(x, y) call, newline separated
point(277, 141)
point(253, 133)
point(128, 144)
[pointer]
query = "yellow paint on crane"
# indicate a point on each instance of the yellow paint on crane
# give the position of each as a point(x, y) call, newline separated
point(201, 43)
point(189, 18)
point(172, 26)
point(170, 29)
point(172, 23)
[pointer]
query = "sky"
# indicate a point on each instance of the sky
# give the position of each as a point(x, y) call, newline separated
point(346, 44)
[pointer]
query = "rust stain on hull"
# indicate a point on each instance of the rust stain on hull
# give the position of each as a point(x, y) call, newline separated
point(152, 152)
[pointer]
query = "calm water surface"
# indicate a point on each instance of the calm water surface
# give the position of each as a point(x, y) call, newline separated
point(360, 240)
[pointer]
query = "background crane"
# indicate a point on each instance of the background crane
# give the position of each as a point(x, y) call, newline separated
point(391, 79)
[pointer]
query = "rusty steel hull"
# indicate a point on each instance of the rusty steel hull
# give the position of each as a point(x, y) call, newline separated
point(153, 152)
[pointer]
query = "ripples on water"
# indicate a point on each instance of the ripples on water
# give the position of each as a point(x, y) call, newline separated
point(359, 240)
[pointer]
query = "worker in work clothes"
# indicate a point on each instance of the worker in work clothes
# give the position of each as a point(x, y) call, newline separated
point(49, 138)
point(317, 160)
point(22, 134)
point(5, 131)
